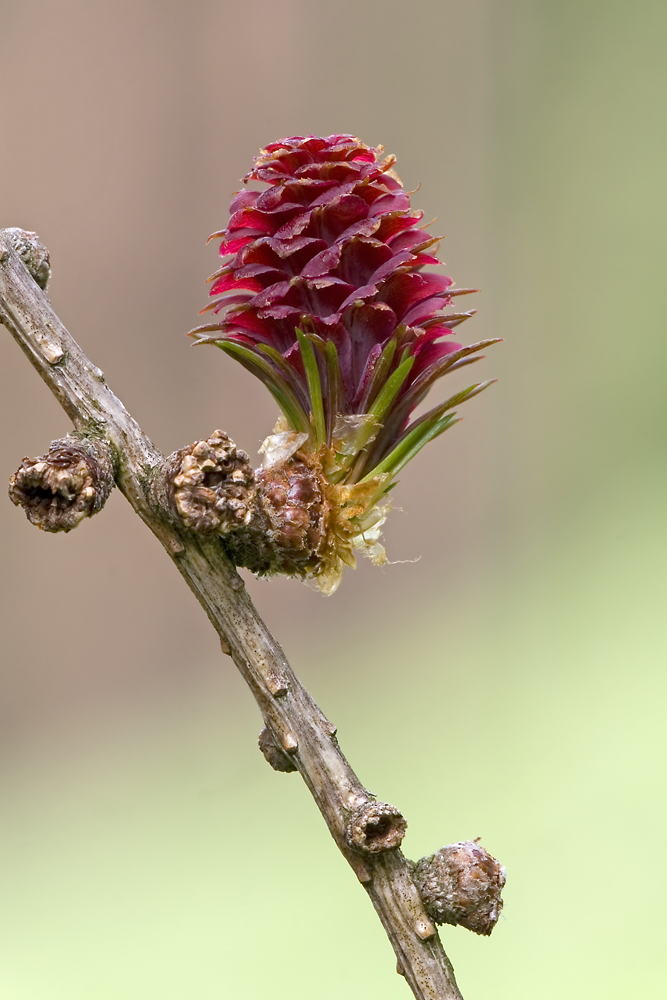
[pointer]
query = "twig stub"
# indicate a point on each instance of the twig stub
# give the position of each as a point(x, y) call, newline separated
point(71, 482)
point(378, 826)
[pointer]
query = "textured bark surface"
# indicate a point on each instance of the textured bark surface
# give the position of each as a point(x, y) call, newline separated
point(293, 721)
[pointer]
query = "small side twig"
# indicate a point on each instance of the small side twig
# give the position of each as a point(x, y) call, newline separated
point(297, 735)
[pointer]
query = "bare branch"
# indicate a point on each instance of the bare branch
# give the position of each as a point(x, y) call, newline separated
point(297, 732)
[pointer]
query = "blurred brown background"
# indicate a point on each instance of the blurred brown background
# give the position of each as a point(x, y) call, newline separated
point(510, 682)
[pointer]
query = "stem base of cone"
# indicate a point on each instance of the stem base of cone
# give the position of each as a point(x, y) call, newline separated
point(285, 518)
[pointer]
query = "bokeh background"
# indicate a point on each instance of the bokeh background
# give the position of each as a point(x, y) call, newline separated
point(511, 682)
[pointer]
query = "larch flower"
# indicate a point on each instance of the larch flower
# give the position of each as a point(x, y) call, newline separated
point(324, 295)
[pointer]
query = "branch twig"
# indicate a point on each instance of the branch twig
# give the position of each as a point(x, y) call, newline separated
point(364, 830)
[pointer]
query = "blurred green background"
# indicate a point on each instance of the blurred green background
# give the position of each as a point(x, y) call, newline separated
point(509, 684)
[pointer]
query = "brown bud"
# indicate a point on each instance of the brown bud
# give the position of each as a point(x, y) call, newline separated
point(59, 489)
point(209, 485)
point(291, 495)
point(34, 254)
point(377, 827)
point(461, 884)
point(275, 755)
point(293, 516)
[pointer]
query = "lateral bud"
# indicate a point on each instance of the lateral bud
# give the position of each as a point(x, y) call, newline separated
point(71, 482)
point(274, 755)
point(461, 884)
point(376, 827)
point(32, 252)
